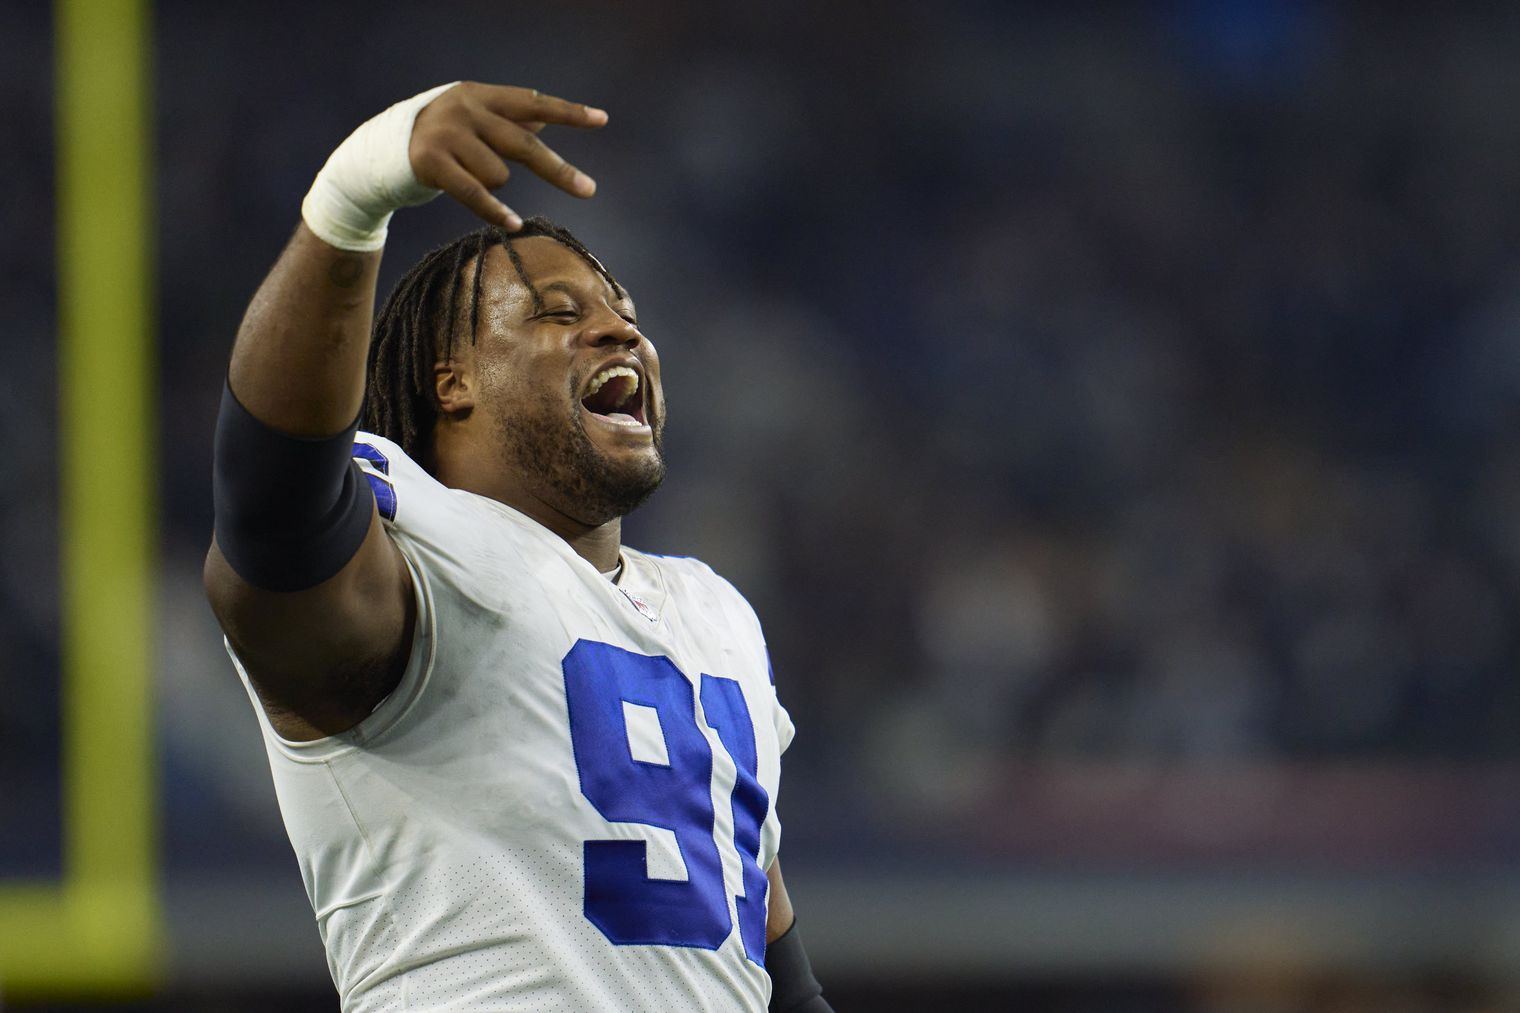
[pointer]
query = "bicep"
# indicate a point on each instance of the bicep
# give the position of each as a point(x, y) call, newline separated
point(321, 658)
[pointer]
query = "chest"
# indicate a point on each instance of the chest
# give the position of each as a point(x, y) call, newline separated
point(550, 692)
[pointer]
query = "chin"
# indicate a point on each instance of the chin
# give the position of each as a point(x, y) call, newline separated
point(593, 477)
point(620, 487)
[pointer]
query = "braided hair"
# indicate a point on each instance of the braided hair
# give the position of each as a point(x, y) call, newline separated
point(416, 328)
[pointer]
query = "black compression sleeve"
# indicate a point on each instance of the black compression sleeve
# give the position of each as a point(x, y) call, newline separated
point(290, 511)
point(793, 987)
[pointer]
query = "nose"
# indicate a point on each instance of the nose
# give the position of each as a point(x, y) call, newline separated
point(610, 329)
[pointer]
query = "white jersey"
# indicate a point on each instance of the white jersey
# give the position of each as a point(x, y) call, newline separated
point(568, 802)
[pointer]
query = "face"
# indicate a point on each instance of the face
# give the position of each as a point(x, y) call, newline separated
point(567, 387)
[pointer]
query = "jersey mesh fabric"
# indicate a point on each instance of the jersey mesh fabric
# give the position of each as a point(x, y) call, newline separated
point(441, 840)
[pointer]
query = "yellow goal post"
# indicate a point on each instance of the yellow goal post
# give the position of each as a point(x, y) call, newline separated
point(98, 930)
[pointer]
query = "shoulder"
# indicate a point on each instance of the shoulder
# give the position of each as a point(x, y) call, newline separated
point(406, 495)
point(451, 536)
point(683, 569)
point(689, 577)
point(384, 463)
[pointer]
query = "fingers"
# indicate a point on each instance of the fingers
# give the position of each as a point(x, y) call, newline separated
point(529, 105)
point(481, 162)
point(461, 143)
point(512, 141)
point(464, 186)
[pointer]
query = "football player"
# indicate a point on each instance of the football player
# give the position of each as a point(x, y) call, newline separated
point(522, 766)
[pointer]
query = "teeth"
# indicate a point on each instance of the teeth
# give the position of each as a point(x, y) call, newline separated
point(610, 372)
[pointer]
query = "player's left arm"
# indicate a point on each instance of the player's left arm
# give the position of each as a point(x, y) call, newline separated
point(794, 989)
point(779, 915)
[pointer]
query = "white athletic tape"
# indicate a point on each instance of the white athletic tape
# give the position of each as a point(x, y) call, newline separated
point(367, 178)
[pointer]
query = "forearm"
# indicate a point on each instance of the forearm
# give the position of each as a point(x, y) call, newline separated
point(299, 361)
point(793, 987)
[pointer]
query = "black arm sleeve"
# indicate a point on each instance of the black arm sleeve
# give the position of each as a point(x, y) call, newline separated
point(793, 987)
point(290, 511)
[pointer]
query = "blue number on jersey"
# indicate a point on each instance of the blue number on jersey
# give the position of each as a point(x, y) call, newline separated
point(621, 899)
point(385, 493)
point(727, 713)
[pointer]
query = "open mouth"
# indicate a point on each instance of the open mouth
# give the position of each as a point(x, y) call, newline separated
point(617, 395)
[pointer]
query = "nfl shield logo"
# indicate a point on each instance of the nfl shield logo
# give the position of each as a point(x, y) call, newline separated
point(641, 605)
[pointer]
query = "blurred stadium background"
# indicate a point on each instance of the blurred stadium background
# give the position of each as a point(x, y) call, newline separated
point(1111, 414)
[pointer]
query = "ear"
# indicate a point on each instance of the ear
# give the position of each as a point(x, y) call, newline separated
point(454, 388)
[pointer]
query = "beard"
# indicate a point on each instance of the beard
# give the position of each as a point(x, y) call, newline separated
point(551, 446)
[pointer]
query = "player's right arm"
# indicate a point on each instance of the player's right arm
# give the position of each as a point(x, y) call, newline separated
point(310, 590)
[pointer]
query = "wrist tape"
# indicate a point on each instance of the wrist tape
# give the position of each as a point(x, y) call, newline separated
point(367, 178)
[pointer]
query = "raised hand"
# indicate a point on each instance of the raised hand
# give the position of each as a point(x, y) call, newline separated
point(463, 140)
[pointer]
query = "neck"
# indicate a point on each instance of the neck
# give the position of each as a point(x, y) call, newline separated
point(598, 544)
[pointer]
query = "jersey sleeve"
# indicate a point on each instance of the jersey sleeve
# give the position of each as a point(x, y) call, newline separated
point(785, 729)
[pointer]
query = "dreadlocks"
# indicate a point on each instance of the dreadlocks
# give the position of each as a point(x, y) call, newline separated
point(416, 326)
